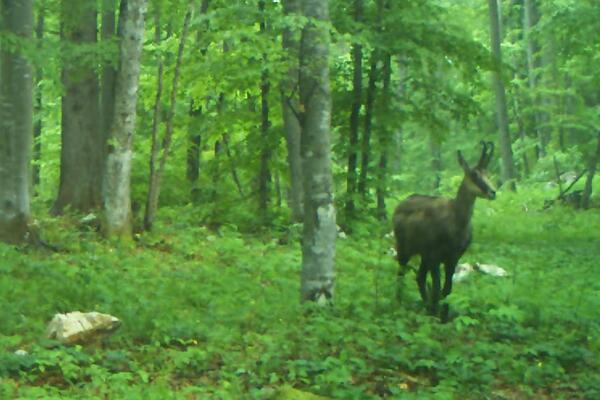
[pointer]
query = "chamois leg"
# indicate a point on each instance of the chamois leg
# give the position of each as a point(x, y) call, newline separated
point(422, 280)
point(449, 268)
point(435, 289)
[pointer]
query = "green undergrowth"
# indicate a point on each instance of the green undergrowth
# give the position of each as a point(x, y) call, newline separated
point(216, 314)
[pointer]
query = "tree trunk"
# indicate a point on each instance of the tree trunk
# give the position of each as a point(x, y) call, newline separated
point(436, 162)
point(195, 124)
point(264, 177)
point(117, 177)
point(156, 174)
point(530, 18)
point(318, 239)
point(81, 159)
point(37, 128)
point(155, 146)
point(384, 136)
point(16, 124)
point(365, 150)
point(354, 116)
point(109, 70)
point(587, 192)
point(508, 174)
point(289, 104)
point(193, 148)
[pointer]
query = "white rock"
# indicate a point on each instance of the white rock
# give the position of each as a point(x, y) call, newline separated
point(21, 352)
point(491, 269)
point(462, 271)
point(81, 328)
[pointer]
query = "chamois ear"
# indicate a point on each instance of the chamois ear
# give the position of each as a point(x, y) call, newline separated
point(462, 162)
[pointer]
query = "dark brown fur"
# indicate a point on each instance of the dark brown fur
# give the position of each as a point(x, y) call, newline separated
point(439, 229)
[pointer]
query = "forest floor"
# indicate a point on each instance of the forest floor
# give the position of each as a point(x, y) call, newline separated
point(216, 314)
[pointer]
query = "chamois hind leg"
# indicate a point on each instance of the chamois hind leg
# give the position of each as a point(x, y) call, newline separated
point(422, 280)
point(449, 267)
point(435, 289)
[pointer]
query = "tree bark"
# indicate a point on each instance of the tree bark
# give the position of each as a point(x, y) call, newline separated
point(530, 18)
point(195, 124)
point(365, 150)
point(82, 143)
point(318, 239)
point(508, 174)
point(594, 159)
point(37, 127)
point(109, 72)
point(436, 161)
point(351, 177)
point(156, 174)
point(264, 178)
point(289, 104)
point(117, 177)
point(384, 136)
point(16, 124)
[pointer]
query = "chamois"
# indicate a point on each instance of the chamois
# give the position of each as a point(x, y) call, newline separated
point(439, 229)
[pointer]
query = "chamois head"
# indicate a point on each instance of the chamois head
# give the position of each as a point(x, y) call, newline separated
point(476, 181)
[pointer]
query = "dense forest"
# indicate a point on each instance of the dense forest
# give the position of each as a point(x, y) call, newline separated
point(229, 183)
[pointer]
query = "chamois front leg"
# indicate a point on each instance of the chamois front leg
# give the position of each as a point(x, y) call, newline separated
point(449, 267)
point(435, 289)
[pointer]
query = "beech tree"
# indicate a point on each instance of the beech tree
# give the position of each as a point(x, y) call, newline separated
point(16, 124)
point(117, 177)
point(82, 141)
point(318, 239)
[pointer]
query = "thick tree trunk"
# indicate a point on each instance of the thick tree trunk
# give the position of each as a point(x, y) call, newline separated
point(289, 104)
point(16, 124)
point(117, 178)
point(351, 177)
point(508, 174)
point(81, 160)
point(156, 174)
point(594, 159)
point(37, 127)
point(264, 177)
point(365, 150)
point(318, 239)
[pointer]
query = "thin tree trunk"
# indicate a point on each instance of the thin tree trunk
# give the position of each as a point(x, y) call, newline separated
point(155, 146)
point(366, 139)
point(82, 144)
point(436, 161)
point(37, 128)
point(289, 104)
point(117, 178)
point(264, 177)
point(16, 124)
point(231, 162)
point(508, 174)
point(384, 135)
point(195, 125)
point(529, 20)
point(318, 238)
point(109, 71)
point(156, 175)
point(594, 159)
point(351, 177)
